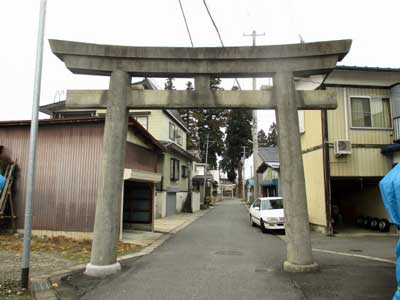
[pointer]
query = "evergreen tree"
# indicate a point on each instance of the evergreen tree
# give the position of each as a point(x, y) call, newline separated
point(272, 137)
point(262, 138)
point(189, 117)
point(210, 121)
point(201, 122)
point(169, 84)
point(238, 134)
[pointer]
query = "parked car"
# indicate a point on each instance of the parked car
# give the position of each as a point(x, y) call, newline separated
point(268, 213)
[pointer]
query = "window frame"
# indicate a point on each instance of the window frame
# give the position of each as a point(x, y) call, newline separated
point(350, 115)
point(180, 138)
point(185, 171)
point(174, 169)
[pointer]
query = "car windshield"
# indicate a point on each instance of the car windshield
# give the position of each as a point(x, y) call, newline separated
point(272, 204)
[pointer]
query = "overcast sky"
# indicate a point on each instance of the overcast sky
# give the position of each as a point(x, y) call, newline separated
point(373, 26)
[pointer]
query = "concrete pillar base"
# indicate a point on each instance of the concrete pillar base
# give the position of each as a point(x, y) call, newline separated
point(101, 271)
point(293, 268)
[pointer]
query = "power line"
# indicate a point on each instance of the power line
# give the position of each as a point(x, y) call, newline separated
point(219, 35)
point(215, 25)
point(187, 26)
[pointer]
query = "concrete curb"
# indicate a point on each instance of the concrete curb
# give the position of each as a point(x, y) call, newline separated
point(47, 280)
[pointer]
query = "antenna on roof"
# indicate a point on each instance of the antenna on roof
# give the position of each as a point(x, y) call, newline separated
point(60, 94)
point(301, 39)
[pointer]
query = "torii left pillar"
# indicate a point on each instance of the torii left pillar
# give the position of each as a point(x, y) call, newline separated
point(103, 259)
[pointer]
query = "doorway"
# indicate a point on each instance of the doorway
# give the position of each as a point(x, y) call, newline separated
point(138, 205)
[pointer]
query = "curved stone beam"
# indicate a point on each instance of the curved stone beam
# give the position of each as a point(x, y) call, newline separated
point(260, 61)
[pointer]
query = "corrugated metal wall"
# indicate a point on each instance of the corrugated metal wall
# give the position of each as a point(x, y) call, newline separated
point(312, 135)
point(315, 188)
point(363, 161)
point(141, 158)
point(67, 169)
point(336, 119)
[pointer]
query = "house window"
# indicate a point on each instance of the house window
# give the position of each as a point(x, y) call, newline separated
point(179, 137)
point(174, 169)
point(185, 172)
point(172, 131)
point(370, 112)
point(143, 120)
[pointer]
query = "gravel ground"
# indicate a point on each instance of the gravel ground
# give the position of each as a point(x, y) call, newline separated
point(48, 255)
point(42, 263)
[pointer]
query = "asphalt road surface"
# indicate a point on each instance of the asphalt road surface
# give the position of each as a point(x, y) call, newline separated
point(221, 257)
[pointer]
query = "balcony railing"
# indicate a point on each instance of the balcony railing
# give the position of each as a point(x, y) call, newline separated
point(396, 129)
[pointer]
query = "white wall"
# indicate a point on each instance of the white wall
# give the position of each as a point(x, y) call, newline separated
point(180, 201)
point(215, 174)
point(248, 167)
point(198, 169)
point(161, 204)
point(195, 201)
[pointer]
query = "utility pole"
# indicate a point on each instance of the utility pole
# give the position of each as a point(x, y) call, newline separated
point(254, 128)
point(30, 181)
point(243, 172)
point(205, 170)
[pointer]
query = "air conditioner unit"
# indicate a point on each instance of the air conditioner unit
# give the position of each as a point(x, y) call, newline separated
point(342, 147)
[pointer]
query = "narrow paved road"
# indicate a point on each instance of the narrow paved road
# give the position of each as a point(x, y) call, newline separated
point(220, 256)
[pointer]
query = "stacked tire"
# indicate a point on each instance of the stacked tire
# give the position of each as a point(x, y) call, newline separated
point(382, 225)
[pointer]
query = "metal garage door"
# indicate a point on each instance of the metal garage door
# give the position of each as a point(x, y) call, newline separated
point(171, 204)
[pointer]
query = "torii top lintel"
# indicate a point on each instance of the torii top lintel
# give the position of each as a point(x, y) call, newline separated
point(258, 61)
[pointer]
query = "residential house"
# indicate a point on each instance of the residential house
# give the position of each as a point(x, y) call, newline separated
point(267, 168)
point(170, 130)
point(199, 170)
point(347, 151)
point(268, 172)
point(69, 153)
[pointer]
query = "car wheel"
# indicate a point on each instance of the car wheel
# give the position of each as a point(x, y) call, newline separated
point(384, 225)
point(252, 222)
point(263, 229)
point(367, 222)
point(360, 221)
point(375, 224)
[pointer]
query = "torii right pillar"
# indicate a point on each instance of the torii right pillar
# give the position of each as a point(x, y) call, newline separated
point(299, 251)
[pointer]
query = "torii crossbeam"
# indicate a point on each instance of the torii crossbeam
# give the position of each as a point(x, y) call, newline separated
point(282, 62)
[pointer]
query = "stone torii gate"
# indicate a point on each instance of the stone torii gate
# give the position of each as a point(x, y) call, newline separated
point(282, 62)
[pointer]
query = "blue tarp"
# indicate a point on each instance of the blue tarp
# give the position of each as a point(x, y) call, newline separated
point(2, 182)
point(390, 190)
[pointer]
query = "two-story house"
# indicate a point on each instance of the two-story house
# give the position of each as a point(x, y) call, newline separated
point(267, 168)
point(170, 130)
point(268, 172)
point(347, 151)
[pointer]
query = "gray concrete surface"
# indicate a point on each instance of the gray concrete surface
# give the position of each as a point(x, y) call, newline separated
point(160, 99)
point(103, 260)
point(221, 256)
point(299, 254)
point(258, 61)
